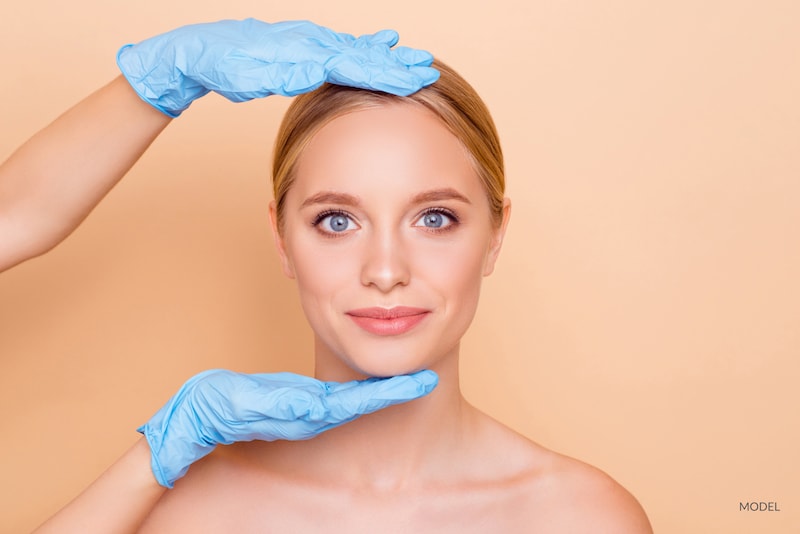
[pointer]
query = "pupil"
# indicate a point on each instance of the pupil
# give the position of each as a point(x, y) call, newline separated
point(434, 220)
point(339, 223)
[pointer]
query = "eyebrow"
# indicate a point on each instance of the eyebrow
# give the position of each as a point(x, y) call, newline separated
point(434, 195)
point(331, 197)
point(345, 199)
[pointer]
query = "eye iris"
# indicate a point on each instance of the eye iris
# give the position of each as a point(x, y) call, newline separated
point(338, 223)
point(434, 220)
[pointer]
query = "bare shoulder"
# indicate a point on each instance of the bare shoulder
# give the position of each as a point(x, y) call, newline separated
point(556, 493)
point(577, 497)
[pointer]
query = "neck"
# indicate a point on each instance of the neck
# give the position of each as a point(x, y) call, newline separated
point(401, 446)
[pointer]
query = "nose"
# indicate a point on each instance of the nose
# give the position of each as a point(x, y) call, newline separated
point(385, 262)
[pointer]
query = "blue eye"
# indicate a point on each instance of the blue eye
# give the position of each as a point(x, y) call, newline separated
point(433, 220)
point(436, 219)
point(335, 222)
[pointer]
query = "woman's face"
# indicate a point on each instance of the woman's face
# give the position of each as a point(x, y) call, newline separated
point(388, 232)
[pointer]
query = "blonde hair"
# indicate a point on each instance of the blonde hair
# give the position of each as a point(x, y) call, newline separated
point(450, 98)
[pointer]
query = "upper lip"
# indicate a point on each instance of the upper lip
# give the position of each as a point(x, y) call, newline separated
point(387, 313)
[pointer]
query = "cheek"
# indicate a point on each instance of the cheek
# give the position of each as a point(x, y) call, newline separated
point(322, 271)
point(454, 272)
point(444, 273)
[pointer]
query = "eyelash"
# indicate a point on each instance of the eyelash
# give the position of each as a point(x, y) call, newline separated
point(454, 221)
point(324, 215)
point(441, 211)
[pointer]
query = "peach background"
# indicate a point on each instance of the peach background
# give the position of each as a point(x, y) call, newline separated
point(644, 316)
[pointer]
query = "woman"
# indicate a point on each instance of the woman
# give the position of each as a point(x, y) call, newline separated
point(388, 212)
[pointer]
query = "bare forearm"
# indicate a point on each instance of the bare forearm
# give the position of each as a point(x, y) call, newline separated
point(52, 182)
point(117, 502)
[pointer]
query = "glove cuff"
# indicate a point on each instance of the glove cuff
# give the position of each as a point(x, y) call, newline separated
point(155, 465)
point(160, 84)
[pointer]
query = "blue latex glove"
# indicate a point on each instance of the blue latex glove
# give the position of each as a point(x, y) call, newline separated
point(247, 59)
point(222, 407)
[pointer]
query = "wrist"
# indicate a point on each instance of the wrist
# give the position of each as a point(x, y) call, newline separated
point(174, 444)
point(156, 81)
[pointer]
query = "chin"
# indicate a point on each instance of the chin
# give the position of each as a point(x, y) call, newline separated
point(380, 361)
point(381, 365)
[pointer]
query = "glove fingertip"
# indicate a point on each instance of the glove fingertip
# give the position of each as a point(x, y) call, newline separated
point(409, 387)
point(387, 37)
point(427, 379)
point(428, 74)
point(405, 82)
point(413, 56)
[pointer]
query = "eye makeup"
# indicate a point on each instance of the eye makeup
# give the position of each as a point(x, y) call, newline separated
point(441, 220)
point(337, 222)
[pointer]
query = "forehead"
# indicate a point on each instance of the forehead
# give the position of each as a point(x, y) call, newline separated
point(398, 148)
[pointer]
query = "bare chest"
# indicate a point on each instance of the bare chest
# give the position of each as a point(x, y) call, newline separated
point(287, 507)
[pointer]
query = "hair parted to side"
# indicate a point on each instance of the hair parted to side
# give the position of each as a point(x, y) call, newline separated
point(451, 98)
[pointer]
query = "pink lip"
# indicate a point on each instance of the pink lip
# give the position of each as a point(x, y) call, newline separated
point(388, 322)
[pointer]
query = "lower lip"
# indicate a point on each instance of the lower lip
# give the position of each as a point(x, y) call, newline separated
point(388, 327)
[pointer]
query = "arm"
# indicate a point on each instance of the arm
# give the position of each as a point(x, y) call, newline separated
point(222, 407)
point(118, 501)
point(52, 182)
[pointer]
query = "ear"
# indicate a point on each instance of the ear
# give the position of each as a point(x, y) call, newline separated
point(497, 239)
point(286, 263)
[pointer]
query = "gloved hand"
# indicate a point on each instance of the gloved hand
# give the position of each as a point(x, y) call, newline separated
point(247, 59)
point(222, 407)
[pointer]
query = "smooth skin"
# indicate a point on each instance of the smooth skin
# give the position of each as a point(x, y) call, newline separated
point(89, 149)
point(42, 200)
point(440, 477)
point(433, 465)
point(436, 464)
